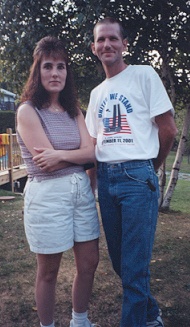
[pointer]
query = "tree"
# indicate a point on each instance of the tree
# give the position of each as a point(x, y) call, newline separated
point(157, 32)
point(177, 162)
point(24, 22)
point(161, 29)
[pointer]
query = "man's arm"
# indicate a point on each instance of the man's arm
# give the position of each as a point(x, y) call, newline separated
point(167, 132)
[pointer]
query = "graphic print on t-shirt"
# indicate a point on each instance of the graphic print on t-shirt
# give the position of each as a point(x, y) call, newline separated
point(117, 122)
point(113, 112)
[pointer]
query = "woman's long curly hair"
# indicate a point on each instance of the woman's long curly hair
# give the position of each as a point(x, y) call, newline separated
point(34, 90)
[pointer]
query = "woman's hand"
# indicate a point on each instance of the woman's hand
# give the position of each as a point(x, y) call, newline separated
point(49, 159)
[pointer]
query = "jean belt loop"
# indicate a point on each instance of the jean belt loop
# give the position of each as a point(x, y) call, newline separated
point(151, 163)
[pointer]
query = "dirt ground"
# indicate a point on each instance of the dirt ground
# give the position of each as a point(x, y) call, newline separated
point(170, 275)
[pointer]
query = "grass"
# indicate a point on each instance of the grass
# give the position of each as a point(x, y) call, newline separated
point(170, 264)
point(170, 281)
point(180, 197)
point(6, 193)
point(185, 166)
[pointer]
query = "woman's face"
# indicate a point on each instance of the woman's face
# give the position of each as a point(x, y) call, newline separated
point(53, 74)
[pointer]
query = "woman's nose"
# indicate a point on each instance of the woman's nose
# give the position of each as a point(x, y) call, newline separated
point(54, 72)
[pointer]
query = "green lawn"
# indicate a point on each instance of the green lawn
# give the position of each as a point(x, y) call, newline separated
point(185, 166)
point(181, 197)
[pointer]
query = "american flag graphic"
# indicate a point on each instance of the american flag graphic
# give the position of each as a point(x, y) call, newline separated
point(116, 124)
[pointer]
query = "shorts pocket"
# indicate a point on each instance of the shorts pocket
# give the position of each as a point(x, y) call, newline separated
point(30, 193)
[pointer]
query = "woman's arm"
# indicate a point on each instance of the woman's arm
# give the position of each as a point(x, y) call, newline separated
point(47, 157)
point(32, 132)
point(92, 173)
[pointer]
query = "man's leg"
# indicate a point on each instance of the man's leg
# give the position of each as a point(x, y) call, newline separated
point(111, 219)
point(129, 196)
point(139, 218)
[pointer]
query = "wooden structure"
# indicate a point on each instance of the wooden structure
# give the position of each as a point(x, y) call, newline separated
point(12, 167)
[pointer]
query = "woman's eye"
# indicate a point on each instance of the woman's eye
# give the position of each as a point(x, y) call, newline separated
point(61, 66)
point(47, 66)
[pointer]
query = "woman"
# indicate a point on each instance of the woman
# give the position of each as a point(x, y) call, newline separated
point(59, 207)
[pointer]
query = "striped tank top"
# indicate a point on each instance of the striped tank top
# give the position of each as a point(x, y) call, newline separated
point(63, 133)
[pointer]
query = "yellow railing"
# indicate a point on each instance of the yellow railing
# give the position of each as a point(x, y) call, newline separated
point(11, 161)
point(10, 155)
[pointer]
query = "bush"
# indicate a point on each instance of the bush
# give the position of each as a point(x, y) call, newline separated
point(7, 120)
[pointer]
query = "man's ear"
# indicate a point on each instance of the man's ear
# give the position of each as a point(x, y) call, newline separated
point(93, 48)
point(125, 44)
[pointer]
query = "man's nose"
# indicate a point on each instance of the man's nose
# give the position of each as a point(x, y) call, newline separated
point(107, 43)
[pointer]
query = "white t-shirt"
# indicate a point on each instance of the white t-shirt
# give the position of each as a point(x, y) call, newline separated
point(121, 114)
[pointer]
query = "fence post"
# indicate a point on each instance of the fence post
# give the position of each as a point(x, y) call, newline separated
point(10, 158)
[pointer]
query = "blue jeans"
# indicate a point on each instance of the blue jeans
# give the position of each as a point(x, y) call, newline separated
point(128, 198)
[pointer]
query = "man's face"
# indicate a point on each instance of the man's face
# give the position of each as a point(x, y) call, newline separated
point(108, 44)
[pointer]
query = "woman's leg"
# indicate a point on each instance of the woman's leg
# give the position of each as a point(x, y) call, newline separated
point(47, 270)
point(86, 259)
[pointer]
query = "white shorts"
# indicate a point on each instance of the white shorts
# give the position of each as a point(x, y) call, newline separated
point(59, 212)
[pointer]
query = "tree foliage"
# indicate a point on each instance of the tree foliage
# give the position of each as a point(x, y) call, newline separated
point(157, 33)
point(23, 24)
point(154, 28)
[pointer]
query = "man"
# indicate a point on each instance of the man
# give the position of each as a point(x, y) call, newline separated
point(130, 119)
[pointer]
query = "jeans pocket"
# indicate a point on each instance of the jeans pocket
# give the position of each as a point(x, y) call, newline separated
point(142, 175)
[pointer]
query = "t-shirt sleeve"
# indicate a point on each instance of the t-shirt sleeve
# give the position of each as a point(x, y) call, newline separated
point(157, 97)
point(91, 119)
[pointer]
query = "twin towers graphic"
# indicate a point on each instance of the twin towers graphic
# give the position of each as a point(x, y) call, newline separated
point(117, 122)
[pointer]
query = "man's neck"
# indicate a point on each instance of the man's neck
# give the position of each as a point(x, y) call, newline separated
point(111, 71)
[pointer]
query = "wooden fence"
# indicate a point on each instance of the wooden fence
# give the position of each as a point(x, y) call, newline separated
point(12, 167)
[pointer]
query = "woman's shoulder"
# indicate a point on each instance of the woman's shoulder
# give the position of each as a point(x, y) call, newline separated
point(26, 111)
point(27, 105)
